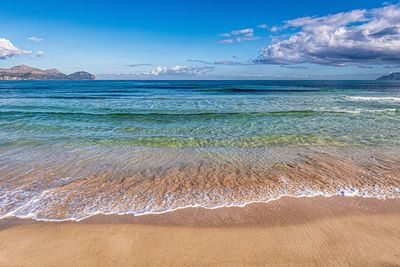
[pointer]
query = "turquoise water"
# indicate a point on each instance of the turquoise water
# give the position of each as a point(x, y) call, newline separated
point(192, 114)
point(55, 133)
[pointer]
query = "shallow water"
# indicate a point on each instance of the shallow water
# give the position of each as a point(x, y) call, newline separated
point(71, 149)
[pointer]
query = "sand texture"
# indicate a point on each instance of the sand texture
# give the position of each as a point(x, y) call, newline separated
point(337, 231)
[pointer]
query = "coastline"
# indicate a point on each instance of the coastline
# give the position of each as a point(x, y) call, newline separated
point(180, 184)
point(290, 231)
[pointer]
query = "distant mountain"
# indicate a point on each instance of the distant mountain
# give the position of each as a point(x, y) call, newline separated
point(394, 76)
point(23, 72)
point(81, 75)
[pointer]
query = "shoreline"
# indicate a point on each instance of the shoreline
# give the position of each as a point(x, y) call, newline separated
point(99, 217)
point(290, 231)
point(55, 191)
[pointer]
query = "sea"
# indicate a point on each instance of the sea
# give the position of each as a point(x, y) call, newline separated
point(72, 149)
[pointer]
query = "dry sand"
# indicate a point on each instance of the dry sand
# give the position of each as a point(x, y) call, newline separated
point(318, 231)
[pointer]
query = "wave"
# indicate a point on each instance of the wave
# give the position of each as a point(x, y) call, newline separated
point(344, 192)
point(359, 111)
point(74, 186)
point(257, 90)
point(169, 116)
point(374, 98)
point(166, 114)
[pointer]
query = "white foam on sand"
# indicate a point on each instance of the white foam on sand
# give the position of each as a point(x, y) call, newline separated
point(345, 192)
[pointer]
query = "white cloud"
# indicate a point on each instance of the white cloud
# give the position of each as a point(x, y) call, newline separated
point(262, 26)
point(221, 62)
point(7, 49)
point(247, 31)
point(227, 34)
point(246, 38)
point(229, 63)
point(275, 28)
point(40, 53)
point(177, 70)
point(238, 36)
point(359, 36)
point(35, 39)
point(226, 41)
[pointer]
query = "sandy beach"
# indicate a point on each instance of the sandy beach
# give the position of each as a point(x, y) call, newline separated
point(199, 133)
point(315, 231)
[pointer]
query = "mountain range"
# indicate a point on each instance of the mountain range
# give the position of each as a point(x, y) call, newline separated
point(23, 72)
point(394, 76)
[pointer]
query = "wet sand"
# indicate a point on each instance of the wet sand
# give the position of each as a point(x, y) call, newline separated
point(39, 191)
point(336, 231)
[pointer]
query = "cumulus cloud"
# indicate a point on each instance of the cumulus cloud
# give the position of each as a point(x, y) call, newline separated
point(35, 39)
point(262, 26)
point(177, 70)
point(7, 49)
point(355, 37)
point(237, 36)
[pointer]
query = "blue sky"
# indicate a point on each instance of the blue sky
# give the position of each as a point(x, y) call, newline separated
point(203, 40)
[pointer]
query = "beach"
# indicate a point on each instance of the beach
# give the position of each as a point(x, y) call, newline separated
point(199, 133)
point(315, 231)
point(199, 173)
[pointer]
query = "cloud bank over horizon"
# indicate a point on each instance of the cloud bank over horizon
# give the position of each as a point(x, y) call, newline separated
point(173, 71)
point(356, 37)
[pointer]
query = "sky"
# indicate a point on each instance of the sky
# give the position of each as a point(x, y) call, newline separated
point(204, 39)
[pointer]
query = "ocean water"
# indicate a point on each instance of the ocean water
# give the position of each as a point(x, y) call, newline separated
point(70, 149)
